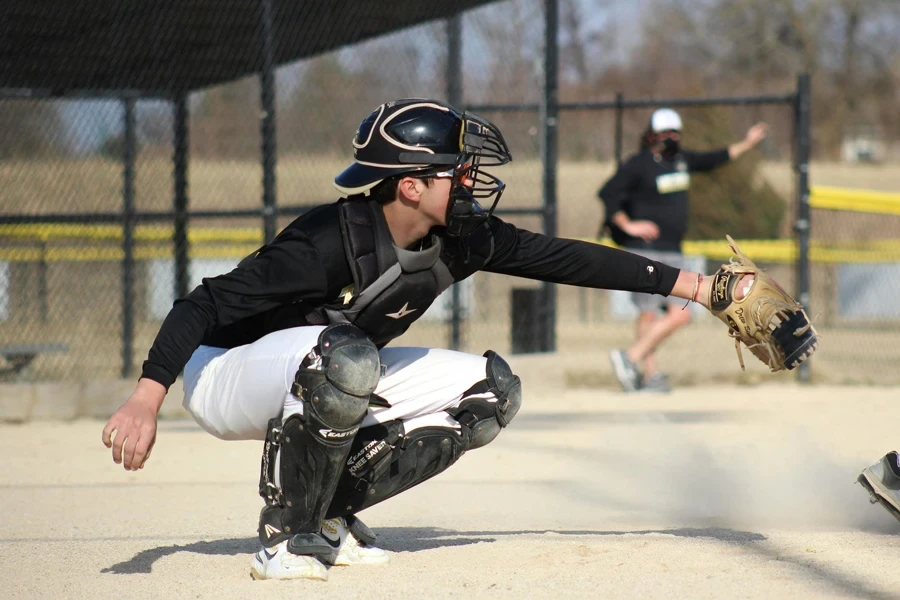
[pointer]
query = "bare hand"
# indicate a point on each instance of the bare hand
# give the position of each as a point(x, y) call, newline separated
point(757, 133)
point(646, 230)
point(134, 426)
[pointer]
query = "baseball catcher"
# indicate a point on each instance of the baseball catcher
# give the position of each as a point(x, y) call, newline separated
point(771, 324)
point(292, 347)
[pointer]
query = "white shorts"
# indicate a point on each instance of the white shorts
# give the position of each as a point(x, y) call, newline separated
point(233, 393)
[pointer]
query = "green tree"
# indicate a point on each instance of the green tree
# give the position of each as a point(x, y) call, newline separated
point(733, 199)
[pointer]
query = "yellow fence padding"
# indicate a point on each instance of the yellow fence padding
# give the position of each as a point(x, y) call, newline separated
point(867, 201)
point(154, 241)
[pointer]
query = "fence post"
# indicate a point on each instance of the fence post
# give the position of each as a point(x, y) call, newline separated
point(802, 224)
point(620, 109)
point(44, 291)
point(128, 223)
point(180, 201)
point(267, 126)
point(550, 125)
point(455, 97)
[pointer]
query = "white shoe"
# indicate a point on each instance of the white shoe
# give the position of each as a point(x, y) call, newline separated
point(279, 563)
point(350, 551)
point(882, 481)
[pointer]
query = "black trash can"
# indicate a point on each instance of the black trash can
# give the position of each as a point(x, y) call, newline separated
point(527, 320)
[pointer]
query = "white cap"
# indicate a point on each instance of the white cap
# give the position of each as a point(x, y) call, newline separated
point(665, 119)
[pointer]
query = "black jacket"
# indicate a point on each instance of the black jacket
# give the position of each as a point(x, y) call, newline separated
point(649, 187)
point(306, 266)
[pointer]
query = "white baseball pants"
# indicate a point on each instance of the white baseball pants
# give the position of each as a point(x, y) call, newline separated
point(233, 393)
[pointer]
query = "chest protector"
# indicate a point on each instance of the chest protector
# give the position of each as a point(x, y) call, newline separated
point(392, 287)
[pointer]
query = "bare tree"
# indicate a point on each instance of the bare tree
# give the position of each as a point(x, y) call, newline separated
point(225, 121)
point(509, 40)
point(746, 46)
point(29, 128)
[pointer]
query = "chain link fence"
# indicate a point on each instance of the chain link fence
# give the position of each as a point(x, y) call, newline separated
point(100, 229)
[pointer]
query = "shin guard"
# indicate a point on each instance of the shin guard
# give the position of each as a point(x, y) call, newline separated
point(386, 460)
point(335, 384)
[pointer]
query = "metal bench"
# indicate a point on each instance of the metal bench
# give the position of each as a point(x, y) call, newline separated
point(20, 356)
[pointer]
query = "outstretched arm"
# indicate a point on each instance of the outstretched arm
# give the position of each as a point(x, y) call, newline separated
point(522, 253)
point(754, 136)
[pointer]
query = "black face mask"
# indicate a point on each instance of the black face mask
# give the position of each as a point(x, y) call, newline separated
point(465, 214)
point(670, 147)
point(470, 188)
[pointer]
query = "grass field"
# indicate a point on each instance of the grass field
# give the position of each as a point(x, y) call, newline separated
point(36, 187)
point(88, 185)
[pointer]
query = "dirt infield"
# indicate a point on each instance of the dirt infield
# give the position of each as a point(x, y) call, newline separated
point(732, 492)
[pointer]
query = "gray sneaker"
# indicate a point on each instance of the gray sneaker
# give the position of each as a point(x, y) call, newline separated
point(657, 383)
point(626, 371)
point(882, 481)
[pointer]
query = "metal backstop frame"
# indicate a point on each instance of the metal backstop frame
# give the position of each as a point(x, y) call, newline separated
point(549, 110)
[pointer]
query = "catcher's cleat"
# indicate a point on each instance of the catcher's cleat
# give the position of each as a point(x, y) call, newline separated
point(882, 481)
point(350, 550)
point(626, 371)
point(278, 562)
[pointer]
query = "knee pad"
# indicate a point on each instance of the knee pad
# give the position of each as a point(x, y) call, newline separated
point(482, 417)
point(337, 380)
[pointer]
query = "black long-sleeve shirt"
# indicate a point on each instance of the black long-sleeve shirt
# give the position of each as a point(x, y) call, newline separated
point(306, 265)
point(652, 188)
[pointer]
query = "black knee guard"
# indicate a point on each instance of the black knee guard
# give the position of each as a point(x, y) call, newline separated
point(385, 461)
point(482, 416)
point(335, 384)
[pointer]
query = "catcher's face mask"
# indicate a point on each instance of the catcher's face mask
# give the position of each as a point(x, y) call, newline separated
point(474, 193)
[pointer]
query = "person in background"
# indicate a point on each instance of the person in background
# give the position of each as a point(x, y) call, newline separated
point(646, 203)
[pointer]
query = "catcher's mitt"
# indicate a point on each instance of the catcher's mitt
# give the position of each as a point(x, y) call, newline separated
point(772, 325)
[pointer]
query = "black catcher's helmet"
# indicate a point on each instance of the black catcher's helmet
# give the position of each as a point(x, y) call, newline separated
point(430, 137)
